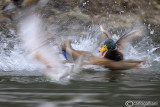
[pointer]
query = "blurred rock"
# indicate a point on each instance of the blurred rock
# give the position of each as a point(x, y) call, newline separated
point(65, 16)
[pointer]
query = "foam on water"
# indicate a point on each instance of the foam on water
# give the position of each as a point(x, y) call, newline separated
point(17, 63)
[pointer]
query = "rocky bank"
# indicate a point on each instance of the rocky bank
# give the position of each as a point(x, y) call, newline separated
point(76, 15)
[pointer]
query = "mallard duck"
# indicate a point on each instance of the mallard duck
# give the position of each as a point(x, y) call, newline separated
point(114, 50)
point(23, 4)
point(94, 60)
point(109, 51)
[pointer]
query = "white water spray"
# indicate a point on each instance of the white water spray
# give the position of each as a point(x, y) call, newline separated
point(34, 37)
point(20, 65)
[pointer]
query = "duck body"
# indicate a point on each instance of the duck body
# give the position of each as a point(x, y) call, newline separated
point(114, 55)
point(102, 61)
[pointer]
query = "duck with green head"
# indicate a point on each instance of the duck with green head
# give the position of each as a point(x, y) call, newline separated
point(114, 50)
point(109, 51)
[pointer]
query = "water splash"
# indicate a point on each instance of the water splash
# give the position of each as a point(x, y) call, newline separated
point(34, 36)
point(21, 64)
point(143, 48)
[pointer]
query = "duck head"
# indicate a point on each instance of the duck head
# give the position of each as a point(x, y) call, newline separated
point(109, 44)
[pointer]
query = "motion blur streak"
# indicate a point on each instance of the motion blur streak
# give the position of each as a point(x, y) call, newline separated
point(34, 37)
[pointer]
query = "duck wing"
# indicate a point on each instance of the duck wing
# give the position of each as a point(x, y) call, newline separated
point(116, 65)
point(108, 35)
point(125, 39)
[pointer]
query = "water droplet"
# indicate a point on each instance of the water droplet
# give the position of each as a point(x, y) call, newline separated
point(152, 32)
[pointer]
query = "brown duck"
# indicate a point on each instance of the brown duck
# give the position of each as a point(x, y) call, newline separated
point(94, 60)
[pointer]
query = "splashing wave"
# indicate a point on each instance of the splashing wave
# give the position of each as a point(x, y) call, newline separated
point(17, 61)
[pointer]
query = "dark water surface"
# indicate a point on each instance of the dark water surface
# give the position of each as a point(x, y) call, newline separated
point(89, 89)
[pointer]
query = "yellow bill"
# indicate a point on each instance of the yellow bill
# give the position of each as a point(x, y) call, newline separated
point(103, 50)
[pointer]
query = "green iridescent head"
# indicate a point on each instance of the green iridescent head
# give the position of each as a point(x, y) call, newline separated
point(110, 44)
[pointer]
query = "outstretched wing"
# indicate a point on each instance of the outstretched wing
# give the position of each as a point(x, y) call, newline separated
point(125, 39)
point(109, 36)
